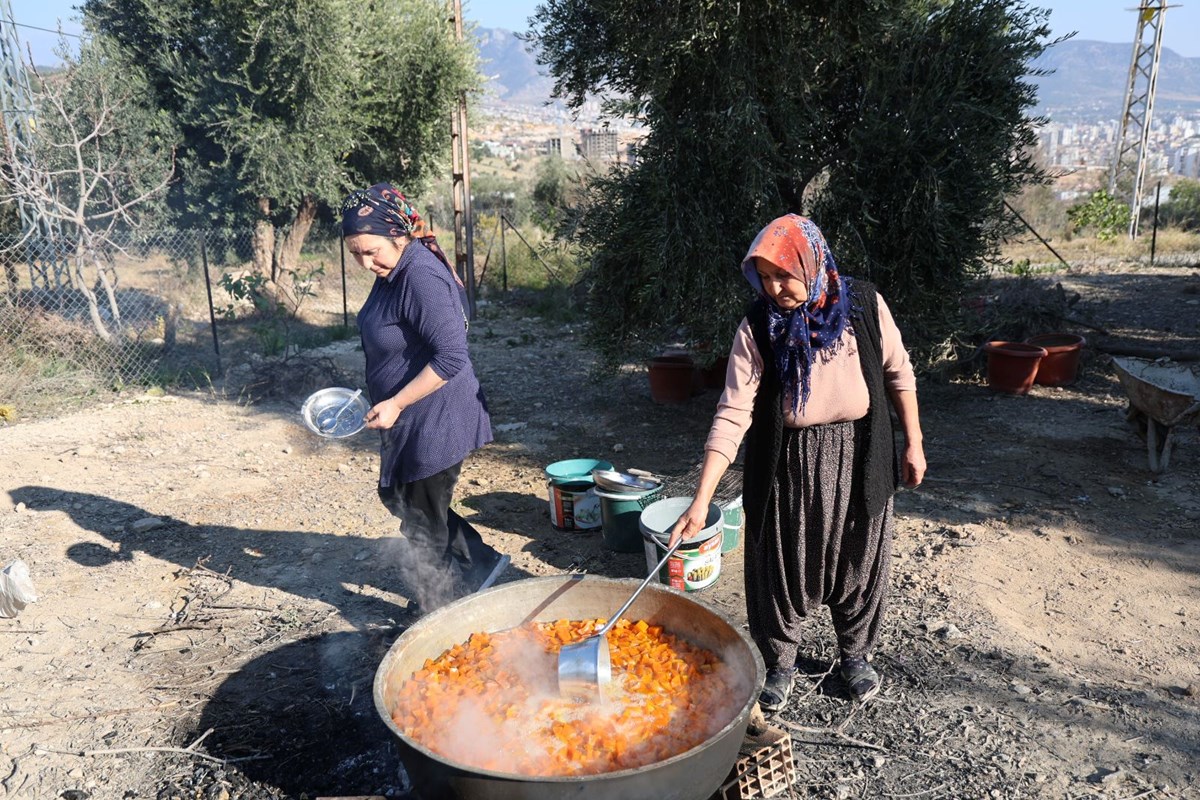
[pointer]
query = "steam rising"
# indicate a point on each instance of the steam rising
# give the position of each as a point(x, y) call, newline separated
point(427, 572)
point(493, 703)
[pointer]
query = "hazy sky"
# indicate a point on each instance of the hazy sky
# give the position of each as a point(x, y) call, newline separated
point(1102, 20)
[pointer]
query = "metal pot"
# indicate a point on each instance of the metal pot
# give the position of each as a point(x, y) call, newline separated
point(693, 775)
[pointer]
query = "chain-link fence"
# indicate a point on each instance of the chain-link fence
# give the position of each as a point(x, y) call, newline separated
point(149, 307)
point(185, 306)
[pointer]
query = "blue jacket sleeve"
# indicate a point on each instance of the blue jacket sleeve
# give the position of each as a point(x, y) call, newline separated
point(437, 315)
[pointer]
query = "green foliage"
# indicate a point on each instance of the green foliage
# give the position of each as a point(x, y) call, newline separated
point(556, 195)
point(274, 318)
point(1024, 268)
point(246, 288)
point(1040, 206)
point(1183, 209)
point(527, 258)
point(496, 194)
point(107, 150)
point(1102, 214)
point(285, 102)
point(898, 125)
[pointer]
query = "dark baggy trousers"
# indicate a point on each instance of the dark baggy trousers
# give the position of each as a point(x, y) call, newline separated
point(818, 547)
point(442, 557)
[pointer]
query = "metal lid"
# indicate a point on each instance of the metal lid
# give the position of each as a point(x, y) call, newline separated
point(614, 481)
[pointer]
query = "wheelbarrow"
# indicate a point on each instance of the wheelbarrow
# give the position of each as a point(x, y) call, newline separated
point(1163, 395)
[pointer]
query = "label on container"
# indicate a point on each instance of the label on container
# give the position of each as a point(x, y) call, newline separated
point(691, 569)
point(574, 507)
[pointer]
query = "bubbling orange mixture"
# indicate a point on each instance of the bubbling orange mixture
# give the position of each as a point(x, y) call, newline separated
point(492, 703)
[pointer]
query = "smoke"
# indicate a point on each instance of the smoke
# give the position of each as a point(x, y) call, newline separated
point(493, 703)
point(741, 679)
point(428, 573)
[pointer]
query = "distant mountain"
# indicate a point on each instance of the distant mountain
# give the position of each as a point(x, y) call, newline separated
point(1086, 79)
point(514, 75)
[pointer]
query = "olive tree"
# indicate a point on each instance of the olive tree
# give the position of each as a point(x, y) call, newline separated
point(96, 162)
point(1183, 208)
point(898, 125)
point(285, 106)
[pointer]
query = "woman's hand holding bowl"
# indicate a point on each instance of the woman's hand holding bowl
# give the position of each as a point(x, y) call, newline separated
point(384, 414)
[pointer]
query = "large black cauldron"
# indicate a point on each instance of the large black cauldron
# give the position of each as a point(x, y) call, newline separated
point(693, 775)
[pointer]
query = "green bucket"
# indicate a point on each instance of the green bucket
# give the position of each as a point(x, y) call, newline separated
point(619, 515)
point(732, 525)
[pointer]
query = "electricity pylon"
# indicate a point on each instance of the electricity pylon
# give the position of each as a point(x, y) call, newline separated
point(1129, 163)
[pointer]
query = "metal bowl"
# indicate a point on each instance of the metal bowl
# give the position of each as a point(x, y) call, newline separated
point(320, 409)
point(612, 481)
point(692, 775)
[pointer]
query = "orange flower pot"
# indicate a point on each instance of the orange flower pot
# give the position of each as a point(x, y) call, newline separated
point(1060, 366)
point(1012, 366)
point(671, 379)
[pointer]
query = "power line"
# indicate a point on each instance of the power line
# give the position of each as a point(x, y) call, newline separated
point(12, 21)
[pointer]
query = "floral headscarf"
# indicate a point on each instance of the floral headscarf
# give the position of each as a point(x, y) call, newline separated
point(382, 210)
point(795, 244)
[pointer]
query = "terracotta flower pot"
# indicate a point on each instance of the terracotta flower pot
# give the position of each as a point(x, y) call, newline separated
point(713, 376)
point(1061, 364)
point(672, 379)
point(1012, 366)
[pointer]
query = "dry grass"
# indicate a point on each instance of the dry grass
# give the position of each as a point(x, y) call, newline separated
point(1171, 246)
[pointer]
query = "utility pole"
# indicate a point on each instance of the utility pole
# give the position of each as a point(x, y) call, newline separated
point(43, 240)
point(460, 158)
point(1129, 162)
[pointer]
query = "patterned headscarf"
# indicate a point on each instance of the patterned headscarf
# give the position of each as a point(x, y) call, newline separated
point(793, 243)
point(382, 210)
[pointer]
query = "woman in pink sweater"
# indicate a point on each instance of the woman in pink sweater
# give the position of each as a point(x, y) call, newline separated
point(811, 371)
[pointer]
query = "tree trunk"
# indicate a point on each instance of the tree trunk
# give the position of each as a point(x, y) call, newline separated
point(264, 239)
point(80, 282)
point(110, 292)
point(306, 214)
point(10, 276)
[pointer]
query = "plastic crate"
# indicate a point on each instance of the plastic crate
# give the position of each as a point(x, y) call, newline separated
point(764, 769)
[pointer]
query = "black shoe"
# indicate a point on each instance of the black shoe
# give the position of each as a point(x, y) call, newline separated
point(861, 678)
point(491, 571)
point(777, 689)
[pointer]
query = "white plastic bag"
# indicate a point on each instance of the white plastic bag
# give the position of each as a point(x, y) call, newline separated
point(16, 589)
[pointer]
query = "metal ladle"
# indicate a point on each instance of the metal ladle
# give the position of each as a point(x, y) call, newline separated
point(585, 667)
point(331, 425)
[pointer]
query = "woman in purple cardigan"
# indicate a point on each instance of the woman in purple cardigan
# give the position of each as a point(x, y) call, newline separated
point(426, 401)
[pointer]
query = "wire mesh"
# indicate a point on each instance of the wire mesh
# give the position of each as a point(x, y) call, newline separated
point(727, 492)
point(149, 306)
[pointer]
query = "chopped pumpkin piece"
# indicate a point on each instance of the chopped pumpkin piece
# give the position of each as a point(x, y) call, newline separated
point(497, 693)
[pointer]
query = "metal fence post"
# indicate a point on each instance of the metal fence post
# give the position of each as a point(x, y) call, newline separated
point(503, 255)
point(345, 302)
point(1154, 230)
point(212, 314)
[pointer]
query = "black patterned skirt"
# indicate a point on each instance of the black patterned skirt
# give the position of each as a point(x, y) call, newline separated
point(817, 547)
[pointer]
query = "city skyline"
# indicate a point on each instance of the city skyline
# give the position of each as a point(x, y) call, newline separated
point(1099, 20)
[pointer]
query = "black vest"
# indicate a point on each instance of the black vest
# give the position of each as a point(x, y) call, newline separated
point(876, 467)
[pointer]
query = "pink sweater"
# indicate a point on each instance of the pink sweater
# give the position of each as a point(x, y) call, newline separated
point(839, 391)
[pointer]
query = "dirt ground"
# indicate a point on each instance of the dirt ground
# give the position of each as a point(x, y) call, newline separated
point(216, 587)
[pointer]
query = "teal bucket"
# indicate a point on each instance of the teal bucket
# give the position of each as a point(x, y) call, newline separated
point(732, 524)
point(573, 502)
point(619, 515)
point(697, 562)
